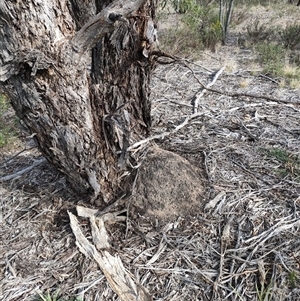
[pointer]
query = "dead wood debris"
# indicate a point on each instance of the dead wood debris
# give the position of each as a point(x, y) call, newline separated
point(244, 244)
point(206, 87)
point(23, 171)
point(120, 280)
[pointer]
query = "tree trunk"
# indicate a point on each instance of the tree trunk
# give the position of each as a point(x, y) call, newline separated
point(292, 2)
point(77, 73)
point(225, 12)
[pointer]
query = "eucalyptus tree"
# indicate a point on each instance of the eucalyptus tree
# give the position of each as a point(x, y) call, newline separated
point(77, 73)
point(225, 12)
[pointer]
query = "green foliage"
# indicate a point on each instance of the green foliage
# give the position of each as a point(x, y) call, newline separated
point(280, 155)
point(290, 36)
point(272, 57)
point(3, 104)
point(279, 61)
point(182, 6)
point(6, 130)
point(295, 58)
point(180, 41)
point(240, 16)
point(210, 32)
point(264, 293)
point(258, 32)
point(193, 16)
point(204, 23)
point(293, 280)
point(201, 25)
point(49, 297)
point(289, 164)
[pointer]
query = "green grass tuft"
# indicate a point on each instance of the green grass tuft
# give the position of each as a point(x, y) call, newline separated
point(264, 293)
point(289, 164)
point(293, 279)
point(8, 123)
point(290, 36)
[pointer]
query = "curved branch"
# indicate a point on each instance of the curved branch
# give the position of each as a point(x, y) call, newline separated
point(102, 23)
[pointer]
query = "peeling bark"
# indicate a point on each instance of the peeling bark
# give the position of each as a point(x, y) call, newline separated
point(78, 75)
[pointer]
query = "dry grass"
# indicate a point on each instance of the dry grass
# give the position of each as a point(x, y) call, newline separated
point(244, 245)
point(245, 241)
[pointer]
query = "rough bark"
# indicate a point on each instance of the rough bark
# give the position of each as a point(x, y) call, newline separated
point(77, 73)
point(292, 2)
point(225, 12)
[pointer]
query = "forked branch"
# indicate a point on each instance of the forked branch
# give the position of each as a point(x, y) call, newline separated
point(102, 23)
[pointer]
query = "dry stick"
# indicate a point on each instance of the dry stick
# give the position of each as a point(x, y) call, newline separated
point(201, 93)
point(21, 172)
point(111, 266)
point(184, 63)
point(224, 240)
point(246, 129)
point(165, 134)
point(240, 94)
point(195, 269)
point(262, 238)
point(16, 155)
point(238, 240)
point(269, 78)
point(251, 96)
point(161, 248)
point(175, 59)
point(206, 167)
point(273, 230)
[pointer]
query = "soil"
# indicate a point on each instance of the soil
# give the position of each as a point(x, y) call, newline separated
point(168, 186)
point(239, 238)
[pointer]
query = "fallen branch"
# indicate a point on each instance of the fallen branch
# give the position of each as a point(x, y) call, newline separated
point(207, 88)
point(16, 155)
point(21, 172)
point(122, 283)
point(201, 93)
point(269, 78)
point(175, 59)
point(223, 245)
point(251, 96)
point(238, 94)
point(165, 134)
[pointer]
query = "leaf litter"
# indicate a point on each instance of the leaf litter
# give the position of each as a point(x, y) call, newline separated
point(245, 244)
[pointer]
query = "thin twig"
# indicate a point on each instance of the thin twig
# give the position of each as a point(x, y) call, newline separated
point(176, 59)
point(205, 88)
point(269, 78)
point(227, 93)
point(165, 134)
point(230, 94)
point(201, 93)
point(21, 172)
point(16, 155)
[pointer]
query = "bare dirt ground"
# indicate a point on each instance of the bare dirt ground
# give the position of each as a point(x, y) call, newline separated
point(245, 243)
